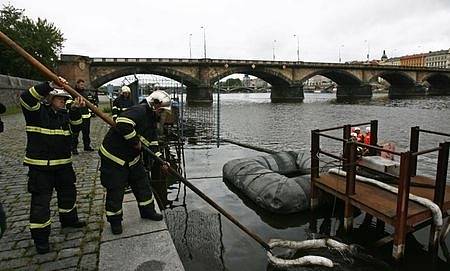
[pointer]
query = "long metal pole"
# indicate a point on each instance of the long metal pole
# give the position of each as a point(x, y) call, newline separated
point(298, 48)
point(204, 41)
point(273, 49)
point(190, 46)
point(53, 77)
point(218, 114)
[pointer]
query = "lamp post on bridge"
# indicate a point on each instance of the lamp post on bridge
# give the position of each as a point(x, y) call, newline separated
point(273, 49)
point(342, 46)
point(190, 45)
point(368, 50)
point(204, 41)
point(298, 47)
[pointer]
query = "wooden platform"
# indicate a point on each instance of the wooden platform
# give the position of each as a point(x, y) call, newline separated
point(381, 203)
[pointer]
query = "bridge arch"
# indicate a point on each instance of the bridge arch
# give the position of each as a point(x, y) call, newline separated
point(439, 83)
point(269, 75)
point(401, 84)
point(340, 77)
point(162, 71)
point(283, 88)
point(349, 85)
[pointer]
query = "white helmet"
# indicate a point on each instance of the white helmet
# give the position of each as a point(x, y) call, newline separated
point(125, 89)
point(159, 97)
point(58, 93)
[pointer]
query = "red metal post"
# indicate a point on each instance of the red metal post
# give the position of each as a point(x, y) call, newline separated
point(402, 205)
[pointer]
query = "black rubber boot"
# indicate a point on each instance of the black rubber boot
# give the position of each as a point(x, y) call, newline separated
point(42, 247)
point(70, 220)
point(76, 224)
point(40, 237)
point(116, 227)
point(149, 212)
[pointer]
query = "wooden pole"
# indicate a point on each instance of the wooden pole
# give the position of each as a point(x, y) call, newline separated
point(46, 72)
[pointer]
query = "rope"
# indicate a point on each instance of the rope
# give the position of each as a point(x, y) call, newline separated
point(303, 245)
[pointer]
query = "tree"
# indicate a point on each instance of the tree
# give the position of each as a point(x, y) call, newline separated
point(40, 38)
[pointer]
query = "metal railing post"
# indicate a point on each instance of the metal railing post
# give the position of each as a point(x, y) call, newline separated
point(373, 136)
point(315, 146)
point(346, 135)
point(414, 147)
point(402, 206)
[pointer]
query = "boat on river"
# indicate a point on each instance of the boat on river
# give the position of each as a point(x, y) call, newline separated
point(278, 182)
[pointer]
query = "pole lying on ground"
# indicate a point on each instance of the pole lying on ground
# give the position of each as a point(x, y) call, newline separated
point(211, 202)
point(52, 76)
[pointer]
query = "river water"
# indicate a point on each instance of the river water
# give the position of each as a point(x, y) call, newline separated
point(206, 240)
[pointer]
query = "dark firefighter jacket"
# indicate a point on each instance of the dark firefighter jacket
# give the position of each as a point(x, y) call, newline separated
point(121, 104)
point(49, 133)
point(86, 113)
point(137, 123)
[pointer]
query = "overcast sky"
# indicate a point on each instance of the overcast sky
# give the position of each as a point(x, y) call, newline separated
point(246, 29)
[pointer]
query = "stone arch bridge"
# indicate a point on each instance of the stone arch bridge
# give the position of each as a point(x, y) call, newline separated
point(286, 77)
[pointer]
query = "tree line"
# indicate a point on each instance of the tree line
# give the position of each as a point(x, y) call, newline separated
point(39, 37)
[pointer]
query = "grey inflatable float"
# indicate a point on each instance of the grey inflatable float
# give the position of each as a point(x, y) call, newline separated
point(264, 179)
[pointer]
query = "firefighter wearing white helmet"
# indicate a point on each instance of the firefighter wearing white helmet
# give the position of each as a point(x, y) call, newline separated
point(159, 99)
point(122, 102)
point(121, 162)
point(49, 128)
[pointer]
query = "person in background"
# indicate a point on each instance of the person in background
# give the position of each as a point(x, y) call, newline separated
point(2, 110)
point(390, 146)
point(367, 136)
point(49, 127)
point(2, 212)
point(122, 102)
point(359, 135)
point(2, 221)
point(2, 127)
point(86, 116)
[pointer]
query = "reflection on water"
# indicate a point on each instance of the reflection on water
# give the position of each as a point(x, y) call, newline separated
point(207, 242)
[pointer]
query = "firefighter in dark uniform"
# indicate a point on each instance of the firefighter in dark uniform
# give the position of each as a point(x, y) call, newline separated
point(48, 156)
point(86, 115)
point(122, 102)
point(121, 162)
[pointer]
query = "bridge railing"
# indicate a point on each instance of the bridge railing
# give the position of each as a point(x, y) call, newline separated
point(263, 62)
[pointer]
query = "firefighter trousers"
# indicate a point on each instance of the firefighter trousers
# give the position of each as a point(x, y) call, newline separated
point(86, 130)
point(115, 178)
point(41, 184)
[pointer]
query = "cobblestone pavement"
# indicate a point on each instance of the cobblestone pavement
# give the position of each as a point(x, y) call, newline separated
point(71, 249)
